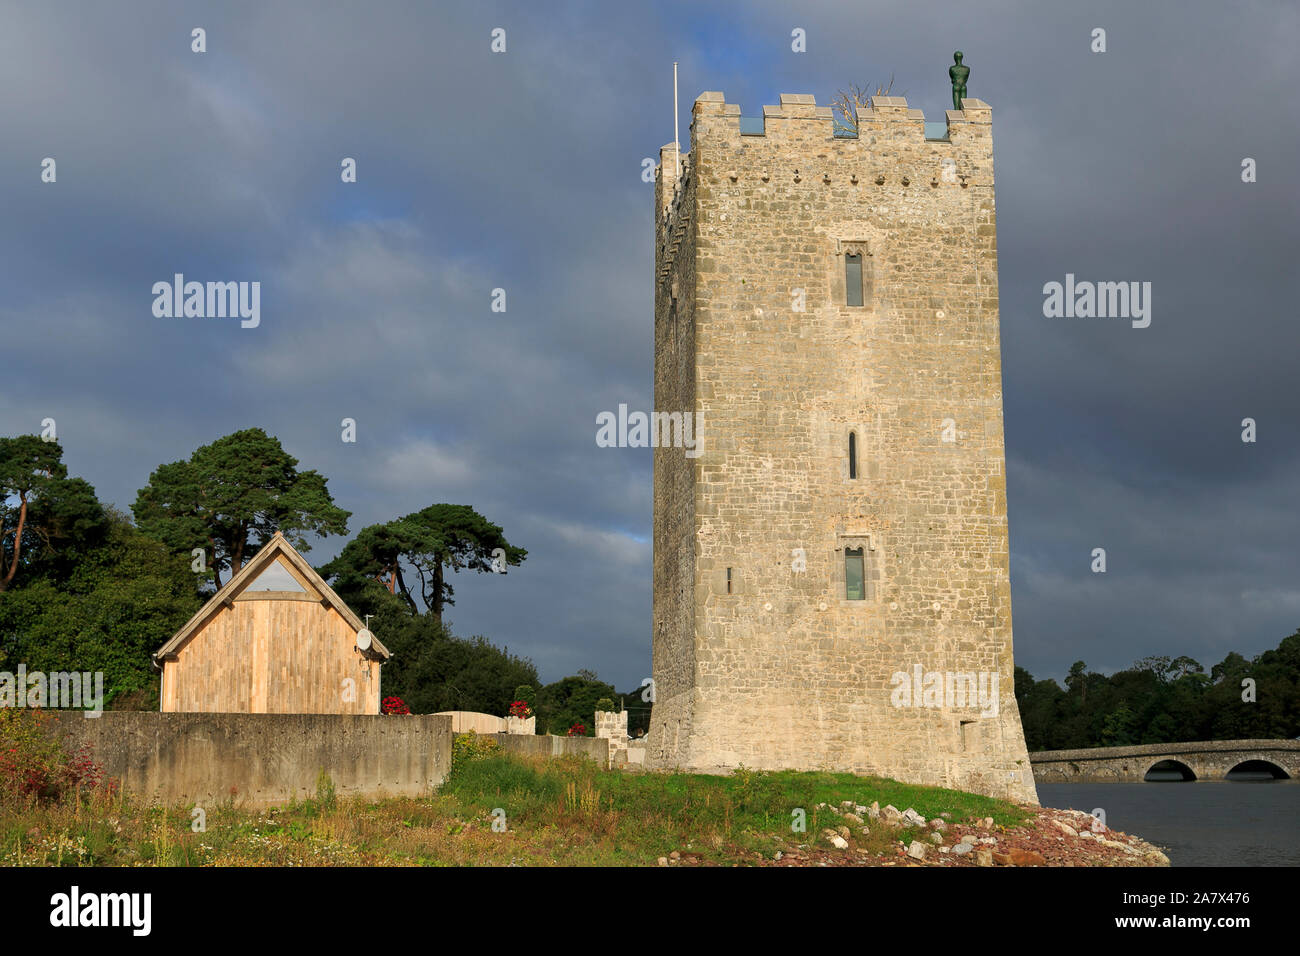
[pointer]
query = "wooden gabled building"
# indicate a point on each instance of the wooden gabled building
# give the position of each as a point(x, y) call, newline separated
point(275, 639)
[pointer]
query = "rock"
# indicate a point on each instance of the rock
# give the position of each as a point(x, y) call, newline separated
point(891, 817)
point(944, 849)
point(835, 840)
point(917, 850)
point(1085, 835)
point(946, 815)
point(936, 837)
point(1066, 828)
point(864, 831)
point(987, 823)
point(663, 861)
point(984, 857)
point(1115, 843)
point(859, 809)
point(938, 824)
point(961, 849)
point(847, 804)
point(988, 839)
point(675, 855)
point(912, 818)
point(843, 831)
point(1155, 857)
point(1018, 857)
point(777, 855)
point(852, 818)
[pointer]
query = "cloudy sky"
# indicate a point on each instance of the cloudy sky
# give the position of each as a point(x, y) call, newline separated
point(521, 170)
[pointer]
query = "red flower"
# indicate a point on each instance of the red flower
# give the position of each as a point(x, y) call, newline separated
point(394, 705)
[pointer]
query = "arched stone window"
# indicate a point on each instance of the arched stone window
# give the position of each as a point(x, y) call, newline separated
point(853, 280)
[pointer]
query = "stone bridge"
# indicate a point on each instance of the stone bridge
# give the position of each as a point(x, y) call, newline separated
point(1207, 760)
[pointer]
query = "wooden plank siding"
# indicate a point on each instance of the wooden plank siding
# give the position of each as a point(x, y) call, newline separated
point(271, 652)
point(271, 657)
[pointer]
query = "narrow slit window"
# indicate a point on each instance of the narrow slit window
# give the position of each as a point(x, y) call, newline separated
point(853, 454)
point(728, 580)
point(854, 576)
point(853, 279)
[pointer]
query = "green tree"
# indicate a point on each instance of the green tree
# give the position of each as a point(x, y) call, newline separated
point(569, 701)
point(429, 542)
point(231, 497)
point(45, 516)
point(124, 600)
point(432, 670)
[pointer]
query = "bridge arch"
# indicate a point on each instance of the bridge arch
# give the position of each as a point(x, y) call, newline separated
point(1168, 771)
point(1256, 769)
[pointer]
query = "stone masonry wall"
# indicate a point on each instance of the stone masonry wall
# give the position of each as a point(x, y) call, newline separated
point(783, 671)
point(673, 611)
point(612, 726)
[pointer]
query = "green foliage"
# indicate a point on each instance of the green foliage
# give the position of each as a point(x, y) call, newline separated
point(231, 497)
point(432, 670)
point(122, 601)
point(604, 704)
point(1164, 700)
point(471, 746)
point(35, 767)
point(569, 701)
point(326, 795)
point(46, 518)
point(526, 693)
point(428, 543)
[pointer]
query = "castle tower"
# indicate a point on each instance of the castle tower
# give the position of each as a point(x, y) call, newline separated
point(831, 582)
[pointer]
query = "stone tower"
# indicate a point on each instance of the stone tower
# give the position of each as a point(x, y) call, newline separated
point(830, 562)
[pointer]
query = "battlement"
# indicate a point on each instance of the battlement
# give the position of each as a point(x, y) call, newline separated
point(797, 148)
point(887, 115)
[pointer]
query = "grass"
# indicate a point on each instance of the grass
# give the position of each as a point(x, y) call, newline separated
point(546, 811)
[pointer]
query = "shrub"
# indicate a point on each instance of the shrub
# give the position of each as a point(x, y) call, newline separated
point(34, 766)
point(578, 730)
point(520, 709)
point(604, 704)
point(326, 794)
point(470, 746)
point(525, 693)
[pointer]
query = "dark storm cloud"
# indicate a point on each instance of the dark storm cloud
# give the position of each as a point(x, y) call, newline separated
point(522, 171)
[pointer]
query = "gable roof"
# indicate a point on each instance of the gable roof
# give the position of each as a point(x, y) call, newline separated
point(277, 547)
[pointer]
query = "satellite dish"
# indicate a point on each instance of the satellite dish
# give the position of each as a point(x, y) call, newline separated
point(364, 639)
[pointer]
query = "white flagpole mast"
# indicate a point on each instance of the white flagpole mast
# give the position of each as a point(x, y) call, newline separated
point(677, 147)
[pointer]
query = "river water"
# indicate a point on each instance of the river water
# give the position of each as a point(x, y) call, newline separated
point(1200, 823)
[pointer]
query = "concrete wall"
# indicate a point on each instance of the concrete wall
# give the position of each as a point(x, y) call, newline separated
point(754, 336)
point(463, 721)
point(262, 759)
point(545, 745)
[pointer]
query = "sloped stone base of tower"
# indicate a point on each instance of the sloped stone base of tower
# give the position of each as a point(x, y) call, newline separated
point(929, 746)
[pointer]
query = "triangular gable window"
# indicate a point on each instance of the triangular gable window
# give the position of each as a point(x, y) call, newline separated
point(275, 577)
